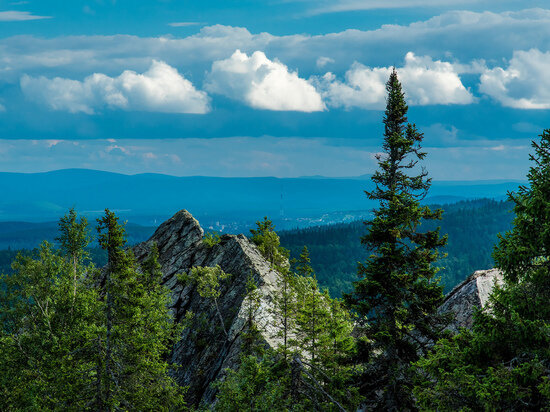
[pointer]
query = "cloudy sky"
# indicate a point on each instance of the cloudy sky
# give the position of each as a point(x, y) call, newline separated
point(269, 87)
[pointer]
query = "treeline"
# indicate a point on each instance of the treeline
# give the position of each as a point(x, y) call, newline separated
point(472, 227)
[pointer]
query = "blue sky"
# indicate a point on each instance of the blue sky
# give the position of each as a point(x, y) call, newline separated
point(269, 88)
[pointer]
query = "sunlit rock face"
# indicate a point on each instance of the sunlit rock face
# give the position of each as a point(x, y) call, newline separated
point(472, 293)
point(204, 350)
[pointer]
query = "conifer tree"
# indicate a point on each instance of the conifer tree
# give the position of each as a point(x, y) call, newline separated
point(139, 330)
point(251, 335)
point(323, 329)
point(310, 369)
point(284, 310)
point(503, 363)
point(268, 242)
point(397, 298)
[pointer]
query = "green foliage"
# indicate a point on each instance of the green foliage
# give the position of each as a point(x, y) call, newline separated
point(397, 298)
point(74, 235)
point(504, 362)
point(284, 310)
point(208, 282)
point(310, 369)
point(251, 335)
point(46, 337)
point(258, 385)
point(67, 343)
point(139, 329)
point(324, 344)
point(211, 239)
point(268, 243)
point(336, 249)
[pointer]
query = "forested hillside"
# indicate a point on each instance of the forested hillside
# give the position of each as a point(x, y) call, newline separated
point(472, 228)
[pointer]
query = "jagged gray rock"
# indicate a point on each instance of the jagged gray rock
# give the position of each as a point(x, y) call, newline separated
point(473, 292)
point(203, 351)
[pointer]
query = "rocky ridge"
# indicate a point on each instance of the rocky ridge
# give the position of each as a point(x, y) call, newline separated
point(204, 351)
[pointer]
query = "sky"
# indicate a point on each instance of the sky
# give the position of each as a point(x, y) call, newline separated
point(281, 88)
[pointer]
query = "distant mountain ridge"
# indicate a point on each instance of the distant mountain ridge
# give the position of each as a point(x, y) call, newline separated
point(149, 199)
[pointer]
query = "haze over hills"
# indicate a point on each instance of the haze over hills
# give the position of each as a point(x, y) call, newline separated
point(229, 204)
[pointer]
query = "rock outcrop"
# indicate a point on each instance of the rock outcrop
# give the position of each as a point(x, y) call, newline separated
point(473, 292)
point(204, 350)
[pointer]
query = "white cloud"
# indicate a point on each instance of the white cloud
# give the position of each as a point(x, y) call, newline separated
point(495, 35)
point(524, 84)
point(351, 5)
point(13, 15)
point(262, 84)
point(183, 23)
point(424, 80)
point(159, 89)
point(323, 61)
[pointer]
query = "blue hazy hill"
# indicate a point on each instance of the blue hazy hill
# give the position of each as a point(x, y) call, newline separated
point(148, 199)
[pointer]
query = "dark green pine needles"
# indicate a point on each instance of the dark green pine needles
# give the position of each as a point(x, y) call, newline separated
point(397, 297)
point(503, 363)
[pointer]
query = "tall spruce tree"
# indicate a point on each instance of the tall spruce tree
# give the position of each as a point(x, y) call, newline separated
point(503, 363)
point(397, 298)
point(139, 332)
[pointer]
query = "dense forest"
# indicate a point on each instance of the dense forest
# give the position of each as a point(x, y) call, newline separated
point(471, 226)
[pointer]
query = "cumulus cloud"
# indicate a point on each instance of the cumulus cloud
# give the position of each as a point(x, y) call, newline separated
point(159, 89)
point(424, 80)
point(13, 15)
point(524, 84)
point(262, 83)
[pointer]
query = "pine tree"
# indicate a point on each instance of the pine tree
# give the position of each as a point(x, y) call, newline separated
point(323, 329)
point(139, 330)
point(503, 363)
point(251, 336)
point(397, 298)
point(268, 242)
point(310, 370)
point(284, 309)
